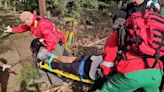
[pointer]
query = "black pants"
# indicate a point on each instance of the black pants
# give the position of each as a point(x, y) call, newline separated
point(73, 68)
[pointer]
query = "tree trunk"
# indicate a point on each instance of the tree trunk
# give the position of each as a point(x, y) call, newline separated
point(85, 25)
point(62, 6)
point(1, 3)
point(6, 4)
point(49, 14)
point(14, 8)
point(120, 4)
point(42, 7)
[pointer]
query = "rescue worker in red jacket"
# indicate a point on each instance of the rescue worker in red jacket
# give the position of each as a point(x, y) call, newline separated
point(132, 72)
point(43, 29)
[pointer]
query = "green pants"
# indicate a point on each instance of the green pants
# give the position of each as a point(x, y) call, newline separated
point(149, 80)
point(162, 11)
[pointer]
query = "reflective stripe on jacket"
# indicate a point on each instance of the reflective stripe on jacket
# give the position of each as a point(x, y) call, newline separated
point(133, 62)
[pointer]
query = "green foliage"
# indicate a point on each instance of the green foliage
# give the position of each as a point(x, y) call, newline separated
point(81, 7)
point(29, 73)
point(55, 3)
point(25, 4)
point(76, 8)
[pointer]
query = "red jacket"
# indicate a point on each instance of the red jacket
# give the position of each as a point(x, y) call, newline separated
point(45, 29)
point(133, 62)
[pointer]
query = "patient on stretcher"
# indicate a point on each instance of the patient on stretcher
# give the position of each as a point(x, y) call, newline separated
point(86, 66)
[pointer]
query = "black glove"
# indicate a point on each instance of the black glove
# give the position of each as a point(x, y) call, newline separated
point(99, 73)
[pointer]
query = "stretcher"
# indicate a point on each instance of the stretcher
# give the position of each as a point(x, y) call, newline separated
point(45, 66)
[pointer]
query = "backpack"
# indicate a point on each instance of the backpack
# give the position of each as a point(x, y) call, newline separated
point(144, 35)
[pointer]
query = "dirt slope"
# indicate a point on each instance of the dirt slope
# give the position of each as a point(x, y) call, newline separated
point(13, 49)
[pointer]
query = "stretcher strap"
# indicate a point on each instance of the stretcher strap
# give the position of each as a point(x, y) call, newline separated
point(50, 61)
point(81, 67)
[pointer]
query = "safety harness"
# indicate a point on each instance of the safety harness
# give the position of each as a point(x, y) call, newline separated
point(81, 67)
